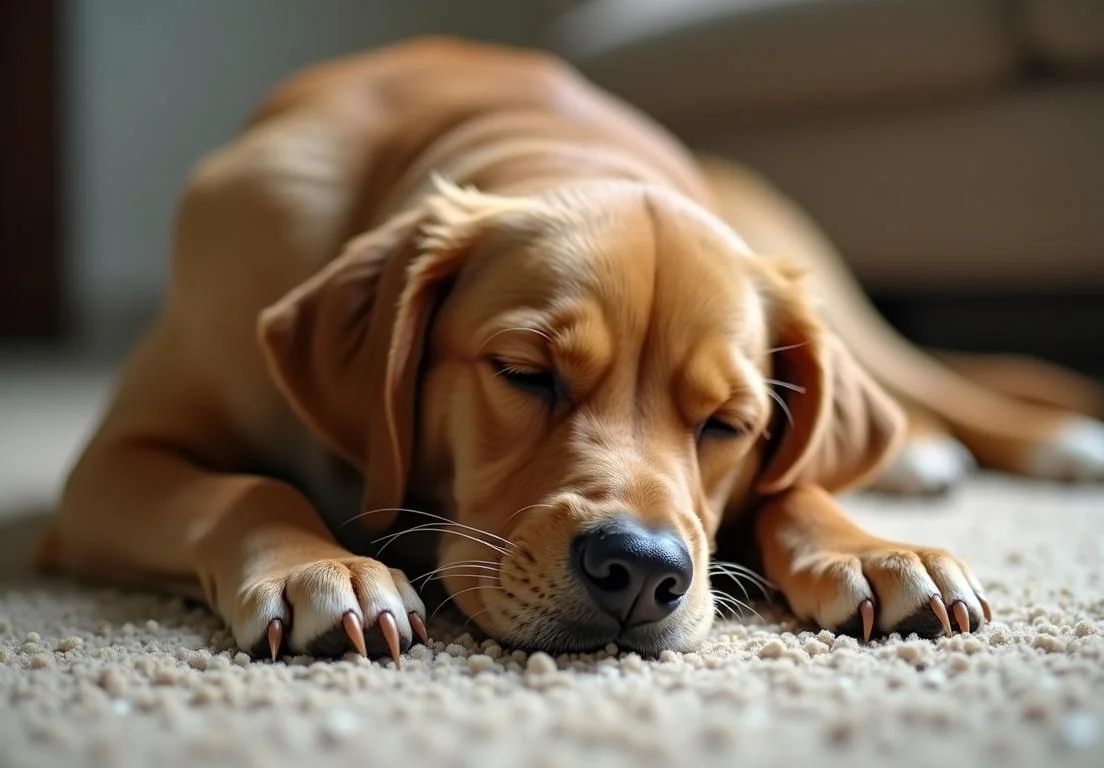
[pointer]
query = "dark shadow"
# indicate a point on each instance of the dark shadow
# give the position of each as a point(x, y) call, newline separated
point(22, 527)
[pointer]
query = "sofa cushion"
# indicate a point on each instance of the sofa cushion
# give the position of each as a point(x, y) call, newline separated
point(990, 194)
point(1068, 33)
point(698, 58)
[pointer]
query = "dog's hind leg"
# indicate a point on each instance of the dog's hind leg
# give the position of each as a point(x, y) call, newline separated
point(1002, 432)
point(930, 461)
point(1029, 379)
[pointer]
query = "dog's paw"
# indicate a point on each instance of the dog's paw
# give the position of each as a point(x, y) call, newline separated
point(1074, 453)
point(926, 466)
point(888, 588)
point(327, 608)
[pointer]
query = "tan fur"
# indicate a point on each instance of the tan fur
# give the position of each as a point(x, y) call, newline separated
point(389, 228)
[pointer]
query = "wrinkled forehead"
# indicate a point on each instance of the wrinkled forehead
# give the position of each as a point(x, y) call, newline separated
point(637, 265)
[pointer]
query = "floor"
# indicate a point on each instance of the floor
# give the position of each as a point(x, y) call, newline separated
point(92, 676)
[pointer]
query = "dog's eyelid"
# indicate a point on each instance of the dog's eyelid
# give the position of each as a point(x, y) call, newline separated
point(530, 378)
point(724, 427)
point(727, 423)
point(507, 366)
point(519, 366)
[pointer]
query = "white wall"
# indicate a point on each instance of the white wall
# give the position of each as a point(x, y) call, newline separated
point(154, 84)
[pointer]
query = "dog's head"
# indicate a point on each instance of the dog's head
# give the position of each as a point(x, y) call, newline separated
point(586, 381)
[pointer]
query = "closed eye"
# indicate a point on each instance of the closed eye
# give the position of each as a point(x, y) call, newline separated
point(718, 428)
point(539, 382)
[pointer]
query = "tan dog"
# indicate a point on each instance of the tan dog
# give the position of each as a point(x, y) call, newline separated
point(459, 278)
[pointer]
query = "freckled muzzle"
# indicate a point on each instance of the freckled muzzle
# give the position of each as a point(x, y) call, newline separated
point(577, 581)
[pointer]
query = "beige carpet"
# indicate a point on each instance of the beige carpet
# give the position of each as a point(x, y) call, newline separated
point(97, 677)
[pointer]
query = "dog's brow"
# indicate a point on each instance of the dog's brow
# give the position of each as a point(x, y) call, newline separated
point(711, 377)
point(547, 336)
point(583, 349)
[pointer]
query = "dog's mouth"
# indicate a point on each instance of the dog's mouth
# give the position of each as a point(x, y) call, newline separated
point(560, 617)
point(557, 635)
point(614, 582)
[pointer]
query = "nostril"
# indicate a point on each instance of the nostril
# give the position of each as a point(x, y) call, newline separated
point(616, 578)
point(669, 591)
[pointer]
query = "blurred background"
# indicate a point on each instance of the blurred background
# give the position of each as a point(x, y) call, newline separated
point(954, 149)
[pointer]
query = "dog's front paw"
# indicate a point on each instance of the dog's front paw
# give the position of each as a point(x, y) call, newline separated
point(328, 607)
point(888, 588)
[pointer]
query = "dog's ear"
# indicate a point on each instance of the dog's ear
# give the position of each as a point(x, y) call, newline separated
point(839, 426)
point(345, 346)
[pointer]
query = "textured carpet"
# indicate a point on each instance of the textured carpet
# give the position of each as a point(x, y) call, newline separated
point(100, 677)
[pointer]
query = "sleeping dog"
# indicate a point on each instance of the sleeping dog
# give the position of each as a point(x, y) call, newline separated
point(453, 288)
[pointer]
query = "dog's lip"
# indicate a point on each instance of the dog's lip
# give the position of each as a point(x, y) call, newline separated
point(589, 637)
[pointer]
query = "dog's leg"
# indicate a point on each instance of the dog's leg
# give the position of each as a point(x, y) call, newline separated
point(1029, 379)
point(1001, 432)
point(835, 574)
point(930, 461)
point(141, 512)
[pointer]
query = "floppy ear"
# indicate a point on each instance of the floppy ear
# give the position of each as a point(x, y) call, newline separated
point(843, 426)
point(345, 346)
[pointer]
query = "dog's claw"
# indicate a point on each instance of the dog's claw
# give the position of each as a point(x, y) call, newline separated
point(390, 631)
point(275, 637)
point(866, 610)
point(354, 628)
point(940, 612)
point(985, 609)
point(962, 616)
point(419, 627)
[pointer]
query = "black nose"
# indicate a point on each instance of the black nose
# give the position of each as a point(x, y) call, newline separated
point(634, 574)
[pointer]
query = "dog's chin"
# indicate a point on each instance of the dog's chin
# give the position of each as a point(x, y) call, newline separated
point(568, 635)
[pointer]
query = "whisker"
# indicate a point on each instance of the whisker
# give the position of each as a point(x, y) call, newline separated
point(493, 578)
point(440, 576)
point(430, 528)
point(486, 565)
point(720, 594)
point(723, 594)
point(749, 609)
point(734, 605)
point(786, 348)
point(787, 385)
point(743, 588)
point(752, 574)
point(725, 603)
point(537, 331)
point(367, 512)
point(734, 578)
point(753, 612)
point(738, 572)
point(726, 611)
point(473, 529)
point(736, 567)
point(462, 591)
point(781, 404)
point(457, 564)
point(477, 613)
point(524, 509)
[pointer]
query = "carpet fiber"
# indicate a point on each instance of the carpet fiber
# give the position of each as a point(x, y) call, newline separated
point(100, 677)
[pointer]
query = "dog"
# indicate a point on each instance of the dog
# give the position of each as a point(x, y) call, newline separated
point(453, 289)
